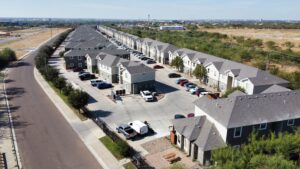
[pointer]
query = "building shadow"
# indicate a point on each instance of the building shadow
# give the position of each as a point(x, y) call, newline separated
point(164, 88)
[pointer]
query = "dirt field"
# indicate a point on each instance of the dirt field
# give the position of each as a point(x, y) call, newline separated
point(30, 39)
point(279, 36)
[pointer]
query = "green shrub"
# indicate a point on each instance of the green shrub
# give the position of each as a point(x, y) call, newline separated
point(123, 148)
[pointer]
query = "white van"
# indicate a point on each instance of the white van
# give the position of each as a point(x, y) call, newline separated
point(140, 127)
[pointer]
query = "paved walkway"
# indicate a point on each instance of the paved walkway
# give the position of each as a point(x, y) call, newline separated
point(6, 144)
point(87, 130)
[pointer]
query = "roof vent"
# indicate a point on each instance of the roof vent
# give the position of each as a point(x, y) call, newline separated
point(265, 95)
point(284, 101)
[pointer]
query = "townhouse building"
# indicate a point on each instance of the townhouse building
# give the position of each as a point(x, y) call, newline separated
point(230, 121)
point(135, 77)
point(108, 67)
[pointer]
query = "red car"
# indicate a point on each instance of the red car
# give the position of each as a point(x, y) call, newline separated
point(191, 115)
point(183, 82)
point(157, 67)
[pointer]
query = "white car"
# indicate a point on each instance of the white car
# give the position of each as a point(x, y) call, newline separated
point(203, 94)
point(147, 95)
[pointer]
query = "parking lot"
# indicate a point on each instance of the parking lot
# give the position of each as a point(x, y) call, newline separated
point(132, 107)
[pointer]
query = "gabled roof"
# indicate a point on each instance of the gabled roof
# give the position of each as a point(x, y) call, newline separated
point(252, 109)
point(200, 131)
point(276, 88)
point(110, 60)
point(136, 68)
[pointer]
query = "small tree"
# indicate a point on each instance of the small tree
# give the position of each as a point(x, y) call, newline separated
point(60, 83)
point(67, 89)
point(245, 55)
point(78, 99)
point(229, 91)
point(200, 72)
point(178, 63)
point(271, 45)
point(8, 55)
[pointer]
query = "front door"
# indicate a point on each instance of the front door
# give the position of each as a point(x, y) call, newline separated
point(229, 82)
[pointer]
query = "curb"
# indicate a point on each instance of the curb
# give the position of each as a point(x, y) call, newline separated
point(14, 138)
point(100, 161)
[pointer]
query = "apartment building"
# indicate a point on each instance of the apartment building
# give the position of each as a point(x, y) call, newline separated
point(230, 121)
point(135, 77)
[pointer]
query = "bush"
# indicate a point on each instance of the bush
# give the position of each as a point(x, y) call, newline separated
point(50, 73)
point(60, 83)
point(78, 99)
point(230, 91)
point(67, 89)
point(6, 56)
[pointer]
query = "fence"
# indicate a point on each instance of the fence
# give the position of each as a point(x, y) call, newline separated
point(135, 156)
point(3, 162)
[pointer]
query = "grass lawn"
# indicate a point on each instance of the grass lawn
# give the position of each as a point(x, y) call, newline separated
point(65, 99)
point(111, 146)
point(129, 165)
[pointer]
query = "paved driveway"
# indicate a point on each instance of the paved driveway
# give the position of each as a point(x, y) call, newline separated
point(133, 107)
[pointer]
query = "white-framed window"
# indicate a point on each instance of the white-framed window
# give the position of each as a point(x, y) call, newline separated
point(79, 64)
point(207, 70)
point(238, 132)
point(291, 122)
point(263, 126)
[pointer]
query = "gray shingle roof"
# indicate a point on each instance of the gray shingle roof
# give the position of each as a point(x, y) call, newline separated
point(110, 60)
point(136, 68)
point(252, 109)
point(276, 88)
point(200, 131)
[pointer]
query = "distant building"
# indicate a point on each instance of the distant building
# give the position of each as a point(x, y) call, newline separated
point(172, 28)
point(4, 33)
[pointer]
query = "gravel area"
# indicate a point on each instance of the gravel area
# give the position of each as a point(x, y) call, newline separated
point(157, 145)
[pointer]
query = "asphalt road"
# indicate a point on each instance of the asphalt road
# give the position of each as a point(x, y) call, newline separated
point(45, 139)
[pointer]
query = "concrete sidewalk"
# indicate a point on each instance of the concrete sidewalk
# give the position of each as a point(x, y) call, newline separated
point(87, 130)
point(6, 143)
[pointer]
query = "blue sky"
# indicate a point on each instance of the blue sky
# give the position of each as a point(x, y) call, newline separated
point(158, 9)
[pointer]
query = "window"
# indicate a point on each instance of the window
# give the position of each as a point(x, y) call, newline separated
point(290, 122)
point(178, 139)
point(215, 73)
point(79, 64)
point(237, 132)
point(71, 57)
point(208, 70)
point(263, 126)
point(79, 58)
point(71, 64)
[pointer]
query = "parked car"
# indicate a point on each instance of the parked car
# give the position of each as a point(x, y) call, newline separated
point(147, 95)
point(140, 127)
point(150, 61)
point(187, 84)
point(174, 75)
point(157, 67)
point(203, 94)
point(191, 115)
point(183, 82)
point(95, 82)
point(179, 116)
point(199, 91)
point(86, 76)
point(77, 69)
point(145, 58)
point(196, 89)
point(81, 72)
point(104, 85)
point(127, 131)
point(179, 80)
point(189, 87)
